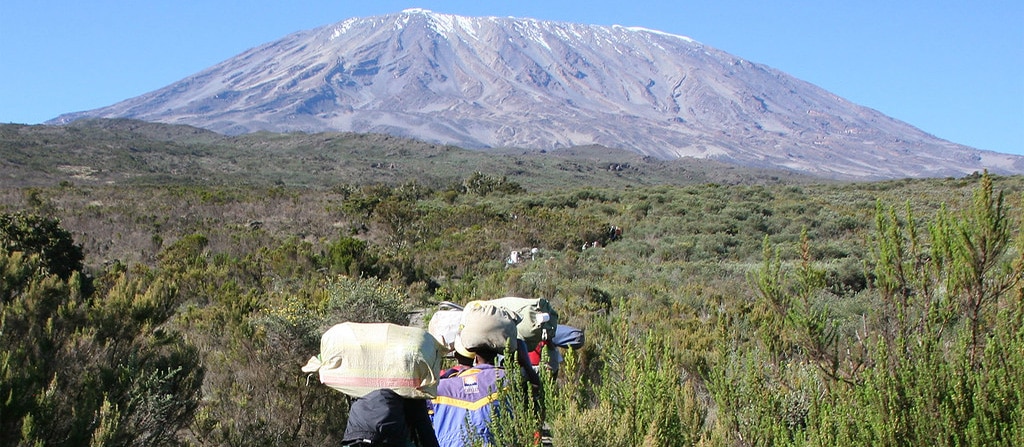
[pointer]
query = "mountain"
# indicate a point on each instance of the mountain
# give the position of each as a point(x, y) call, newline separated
point(490, 82)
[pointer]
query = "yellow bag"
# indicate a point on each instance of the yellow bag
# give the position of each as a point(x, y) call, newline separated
point(357, 358)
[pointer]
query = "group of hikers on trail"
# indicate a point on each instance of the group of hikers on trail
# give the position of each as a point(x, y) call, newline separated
point(401, 395)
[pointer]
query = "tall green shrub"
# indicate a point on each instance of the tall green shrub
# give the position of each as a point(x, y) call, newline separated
point(946, 332)
point(100, 369)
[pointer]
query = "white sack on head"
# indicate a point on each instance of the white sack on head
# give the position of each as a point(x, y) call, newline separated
point(357, 358)
point(444, 326)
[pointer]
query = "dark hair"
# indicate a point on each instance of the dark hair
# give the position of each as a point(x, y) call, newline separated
point(486, 354)
point(463, 360)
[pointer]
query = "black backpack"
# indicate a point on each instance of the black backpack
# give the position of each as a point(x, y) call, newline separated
point(377, 418)
point(383, 418)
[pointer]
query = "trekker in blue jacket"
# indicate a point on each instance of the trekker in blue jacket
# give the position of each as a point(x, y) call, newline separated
point(468, 396)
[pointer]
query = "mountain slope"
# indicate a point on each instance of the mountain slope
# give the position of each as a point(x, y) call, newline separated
point(506, 82)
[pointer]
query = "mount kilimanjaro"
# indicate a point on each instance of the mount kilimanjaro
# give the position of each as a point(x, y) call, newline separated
point(489, 82)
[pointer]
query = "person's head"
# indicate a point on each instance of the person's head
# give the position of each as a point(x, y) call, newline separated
point(470, 355)
point(485, 355)
point(464, 360)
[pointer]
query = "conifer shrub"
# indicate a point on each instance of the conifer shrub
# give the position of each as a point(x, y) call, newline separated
point(33, 233)
point(918, 370)
point(80, 368)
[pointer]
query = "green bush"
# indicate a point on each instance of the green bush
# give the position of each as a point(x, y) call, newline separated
point(44, 236)
point(97, 370)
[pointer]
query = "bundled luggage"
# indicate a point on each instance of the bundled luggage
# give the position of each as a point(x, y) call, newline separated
point(358, 358)
point(444, 325)
point(569, 337)
point(539, 321)
point(536, 320)
point(486, 326)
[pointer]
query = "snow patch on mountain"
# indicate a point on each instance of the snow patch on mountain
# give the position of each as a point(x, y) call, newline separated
point(652, 31)
point(343, 28)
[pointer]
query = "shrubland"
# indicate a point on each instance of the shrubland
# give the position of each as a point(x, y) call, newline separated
point(883, 313)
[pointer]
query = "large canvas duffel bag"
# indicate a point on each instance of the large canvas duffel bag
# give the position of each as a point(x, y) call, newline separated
point(487, 326)
point(357, 358)
point(445, 324)
point(539, 321)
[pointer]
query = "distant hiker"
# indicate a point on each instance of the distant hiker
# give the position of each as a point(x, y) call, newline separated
point(614, 233)
point(383, 418)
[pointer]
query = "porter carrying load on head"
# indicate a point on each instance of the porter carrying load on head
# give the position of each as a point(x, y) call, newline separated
point(391, 371)
point(357, 358)
point(465, 403)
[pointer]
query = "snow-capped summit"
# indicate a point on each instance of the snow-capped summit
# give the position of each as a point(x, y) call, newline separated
point(483, 82)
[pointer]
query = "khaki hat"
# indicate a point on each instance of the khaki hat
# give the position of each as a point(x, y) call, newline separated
point(461, 349)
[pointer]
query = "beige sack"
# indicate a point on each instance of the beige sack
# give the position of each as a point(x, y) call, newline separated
point(538, 320)
point(357, 358)
point(484, 325)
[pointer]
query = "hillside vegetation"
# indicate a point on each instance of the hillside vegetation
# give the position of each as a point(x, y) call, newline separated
point(175, 312)
point(134, 153)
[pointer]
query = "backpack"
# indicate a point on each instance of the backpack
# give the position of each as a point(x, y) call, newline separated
point(568, 337)
point(382, 418)
point(377, 419)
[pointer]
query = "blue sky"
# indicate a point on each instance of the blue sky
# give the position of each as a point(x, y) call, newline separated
point(954, 69)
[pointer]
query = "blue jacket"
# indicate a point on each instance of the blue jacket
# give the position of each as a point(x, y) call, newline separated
point(466, 397)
